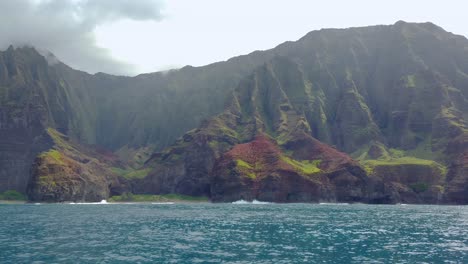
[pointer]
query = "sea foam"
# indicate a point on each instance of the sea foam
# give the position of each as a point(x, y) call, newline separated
point(101, 202)
point(250, 202)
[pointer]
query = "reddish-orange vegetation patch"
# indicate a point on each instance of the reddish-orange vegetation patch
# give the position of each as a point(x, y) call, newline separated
point(306, 147)
point(261, 153)
point(250, 152)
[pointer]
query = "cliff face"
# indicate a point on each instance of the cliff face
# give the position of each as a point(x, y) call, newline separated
point(261, 170)
point(128, 115)
point(72, 172)
point(280, 102)
point(261, 147)
point(32, 97)
point(391, 97)
point(456, 190)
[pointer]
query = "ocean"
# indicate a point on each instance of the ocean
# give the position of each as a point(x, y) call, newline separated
point(233, 233)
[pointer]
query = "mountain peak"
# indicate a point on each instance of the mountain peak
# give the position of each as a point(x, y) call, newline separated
point(429, 26)
point(23, 51)
point(49, 56)
point(401, 22)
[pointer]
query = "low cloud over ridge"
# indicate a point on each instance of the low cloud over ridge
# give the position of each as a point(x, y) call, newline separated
point(66, 28)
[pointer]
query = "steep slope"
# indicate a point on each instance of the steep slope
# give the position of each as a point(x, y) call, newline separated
point(71, 172)
point(279, 160)
point(286, 101)
point(35, 99)
point(393, 97)
point(33, 96)
point(101, 109)
point(395, 78)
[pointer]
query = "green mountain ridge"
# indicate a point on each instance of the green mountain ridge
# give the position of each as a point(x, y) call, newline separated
point(393, 97)
point(269, 110)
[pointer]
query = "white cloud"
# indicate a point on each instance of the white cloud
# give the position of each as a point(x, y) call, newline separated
point(66, 28)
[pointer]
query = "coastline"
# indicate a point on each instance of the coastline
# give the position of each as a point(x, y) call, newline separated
point(178, 202)
point(13, 202)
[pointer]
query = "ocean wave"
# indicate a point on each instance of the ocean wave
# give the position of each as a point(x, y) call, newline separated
point(334, 203)
point(250, 202)
point(101, 202)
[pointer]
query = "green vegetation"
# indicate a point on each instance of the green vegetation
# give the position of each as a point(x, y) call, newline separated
point(219, 127)
point(455, 119)
point(216, 145)
point(439, 188)
point(130, 197)
point(359, 132)
point(333, 92)
point(174, 157)
point(304, 166)
point(54, 155)
point(419, 187)
point(399, 161)
point(396, 153)
point(448, 112)
point(363, 152)
point(247, 169)
point(137, 174)
point(12, 195)
point(421, 155)
point(410, 81)
point(59, 139)
point(369, 165)
point(424, 150)
point(131, 173)
point(136, 157)
point(213, 144)
point(243, 164)
point(47, 181)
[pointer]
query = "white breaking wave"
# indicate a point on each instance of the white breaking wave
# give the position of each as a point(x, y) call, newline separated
point(164, 203)
point(248, 202)
point(334, 203)
point(101, 202)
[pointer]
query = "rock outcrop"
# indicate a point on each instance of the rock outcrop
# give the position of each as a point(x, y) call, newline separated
point(71, 172)
point(260, 170)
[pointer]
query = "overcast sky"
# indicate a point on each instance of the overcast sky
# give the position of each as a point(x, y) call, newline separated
point(135, 36)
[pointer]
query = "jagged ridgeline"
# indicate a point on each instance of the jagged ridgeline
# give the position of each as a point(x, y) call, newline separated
point(375, 114)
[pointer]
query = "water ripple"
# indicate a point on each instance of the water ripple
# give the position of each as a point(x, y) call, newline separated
point(229, 233)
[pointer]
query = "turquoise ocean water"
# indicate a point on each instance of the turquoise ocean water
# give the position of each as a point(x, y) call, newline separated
point(233, 233)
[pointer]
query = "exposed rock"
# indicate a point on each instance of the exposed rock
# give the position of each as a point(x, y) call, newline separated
point(412, 182)
point(456, 188)
point(260, 170)
point(70, 172)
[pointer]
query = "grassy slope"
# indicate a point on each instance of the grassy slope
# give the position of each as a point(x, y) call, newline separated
point(12, 195)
